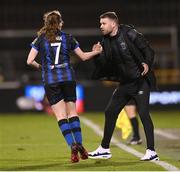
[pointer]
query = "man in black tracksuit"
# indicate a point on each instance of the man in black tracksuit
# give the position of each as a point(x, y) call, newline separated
point(126, 58)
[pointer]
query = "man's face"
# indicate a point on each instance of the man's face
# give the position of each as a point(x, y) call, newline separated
point(106, 25)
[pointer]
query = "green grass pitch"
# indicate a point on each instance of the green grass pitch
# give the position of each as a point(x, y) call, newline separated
point(32, 141)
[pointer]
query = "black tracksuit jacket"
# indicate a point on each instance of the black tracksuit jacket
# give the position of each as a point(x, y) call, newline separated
point(122, 57)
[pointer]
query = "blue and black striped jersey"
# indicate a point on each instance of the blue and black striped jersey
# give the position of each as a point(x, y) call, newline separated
point(55, 57)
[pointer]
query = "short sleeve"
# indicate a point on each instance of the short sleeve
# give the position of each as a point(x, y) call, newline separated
point(74, 43)
point(36, 43)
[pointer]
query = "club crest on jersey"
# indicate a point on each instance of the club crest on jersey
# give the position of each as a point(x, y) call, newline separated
point(123, 45)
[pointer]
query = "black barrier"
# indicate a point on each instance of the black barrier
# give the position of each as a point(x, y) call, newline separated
point(96, 97)
point(8, 99)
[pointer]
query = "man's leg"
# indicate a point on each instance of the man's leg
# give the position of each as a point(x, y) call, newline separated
point(115, 105)
point(142, 101)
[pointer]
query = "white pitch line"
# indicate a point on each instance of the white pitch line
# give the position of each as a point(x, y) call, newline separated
point(165, 134)
point(124, 147)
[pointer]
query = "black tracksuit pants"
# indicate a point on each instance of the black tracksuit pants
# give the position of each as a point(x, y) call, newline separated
point(140, 91)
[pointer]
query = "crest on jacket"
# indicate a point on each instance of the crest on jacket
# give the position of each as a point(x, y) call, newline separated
point(123, 45)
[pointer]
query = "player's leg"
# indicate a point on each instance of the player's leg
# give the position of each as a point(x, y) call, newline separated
point(69, 91)
point(55, 98)
point(61, 116)
point(74, 121)
point(130, 109)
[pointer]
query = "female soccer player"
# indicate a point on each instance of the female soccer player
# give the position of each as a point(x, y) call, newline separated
point(58, 78)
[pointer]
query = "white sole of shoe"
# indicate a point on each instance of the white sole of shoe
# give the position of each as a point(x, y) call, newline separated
point(135, 142)
point(100, 157)
point(155, 159)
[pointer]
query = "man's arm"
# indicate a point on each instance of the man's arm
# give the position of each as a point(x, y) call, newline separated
point(141, 43)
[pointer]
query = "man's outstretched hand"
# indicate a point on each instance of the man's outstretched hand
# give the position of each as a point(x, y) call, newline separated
point(97, 47)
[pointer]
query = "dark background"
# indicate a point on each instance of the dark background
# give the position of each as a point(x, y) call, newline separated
point(159, 21)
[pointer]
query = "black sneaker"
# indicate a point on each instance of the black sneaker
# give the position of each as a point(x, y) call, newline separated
point(134, 141)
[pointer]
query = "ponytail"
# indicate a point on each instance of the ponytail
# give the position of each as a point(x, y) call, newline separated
point(52, 24)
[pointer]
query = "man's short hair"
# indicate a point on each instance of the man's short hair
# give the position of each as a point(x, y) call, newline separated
point(110, 14)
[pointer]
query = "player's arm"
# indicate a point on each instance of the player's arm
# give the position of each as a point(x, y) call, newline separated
point(31, 58)
point(97, 49)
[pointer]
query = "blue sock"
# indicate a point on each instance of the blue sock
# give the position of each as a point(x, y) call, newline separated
point(66, 131)
point(74, 122)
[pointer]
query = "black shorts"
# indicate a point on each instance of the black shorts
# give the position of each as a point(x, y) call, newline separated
point(131, 102)
point(62, 90)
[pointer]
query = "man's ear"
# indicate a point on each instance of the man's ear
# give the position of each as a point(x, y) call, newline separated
point(113, 23)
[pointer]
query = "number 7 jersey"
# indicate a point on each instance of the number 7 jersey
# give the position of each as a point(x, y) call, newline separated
point(55, 59)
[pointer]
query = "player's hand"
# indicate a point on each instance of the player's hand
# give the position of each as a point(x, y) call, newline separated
point(146, 69)
point(97, 47)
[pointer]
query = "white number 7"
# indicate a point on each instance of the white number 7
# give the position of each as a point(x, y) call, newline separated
point(58, 45)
